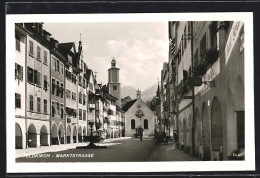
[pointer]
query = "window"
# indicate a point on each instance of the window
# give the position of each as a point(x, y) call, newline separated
point(58, 107)
point(38, 104)
point(37, 78)
point(58, 65)
point(61, 111)
point(61, 90)
point(31, 48)
point(53, 62)
point(61, 68)
point(18, 72)
point(18, 41)
point(132, 124)
point(145, 124)
point(80, 78)
point(68, 93)
point(203, 48)
point(17, 100)
point(80, 98)
point(58, 88)
point(84, 115)
point(185, 38)
point(84, 99)
point(90, 86)
point(213, 35)
point(73, 96)
point(53, 85)
point(38, 53)
point(52, 109)
point(45, 105)
point(80, 114)
point(45, 61)
point(84, 83)
point(68, 75)
point(114, 88)
point(31, 102)
point(45, 82)
point(30, 75)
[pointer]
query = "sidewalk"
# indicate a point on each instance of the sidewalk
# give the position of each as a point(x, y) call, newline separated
point(170, 153)
point(62, 147)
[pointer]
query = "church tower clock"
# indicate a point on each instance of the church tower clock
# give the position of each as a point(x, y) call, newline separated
point(114, 85)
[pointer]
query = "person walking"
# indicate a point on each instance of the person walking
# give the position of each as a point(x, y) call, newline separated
point(140, 133)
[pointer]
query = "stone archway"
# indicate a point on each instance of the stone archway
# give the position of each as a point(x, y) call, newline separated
point(84, 133)
point(54, 135)
point(216, 126)
point(80, 134)
point(74, 134)
point(197, 132)
point(44, 136)
point(61, 134)
point(32, 136)
point(68, 134)
point(205, 132)
point(18, 137)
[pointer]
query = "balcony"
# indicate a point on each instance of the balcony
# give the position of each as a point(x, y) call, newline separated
point(200, 68)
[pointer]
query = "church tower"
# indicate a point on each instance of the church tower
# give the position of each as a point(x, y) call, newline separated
point(114, 85)
point(138, 94)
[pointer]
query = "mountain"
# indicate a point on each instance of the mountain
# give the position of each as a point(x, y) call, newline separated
point(128, 91)
point(149, 93)
point(146, 95)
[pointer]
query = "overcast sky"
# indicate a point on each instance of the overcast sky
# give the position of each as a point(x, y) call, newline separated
point(140, 48)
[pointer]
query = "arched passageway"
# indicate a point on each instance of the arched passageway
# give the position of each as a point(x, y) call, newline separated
point(61, 134)
point(80, 134)
point(44, 136)
point(205, 132)
point(18, 137)
point(68, 134)
point(32, 136)
point(54, 135)
point(216, 126)
point(74, 134)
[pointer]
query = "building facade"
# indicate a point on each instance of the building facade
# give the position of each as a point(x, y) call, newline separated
point(206, 60)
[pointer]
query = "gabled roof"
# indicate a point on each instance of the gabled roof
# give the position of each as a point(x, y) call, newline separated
point(128, 105)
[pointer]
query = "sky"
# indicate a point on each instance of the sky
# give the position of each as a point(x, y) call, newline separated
point(139, 48)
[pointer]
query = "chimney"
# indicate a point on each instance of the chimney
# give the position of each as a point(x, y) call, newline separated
point(54, 42)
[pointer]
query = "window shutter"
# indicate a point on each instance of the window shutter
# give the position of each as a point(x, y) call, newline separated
point(35, 76)
point(21, 72)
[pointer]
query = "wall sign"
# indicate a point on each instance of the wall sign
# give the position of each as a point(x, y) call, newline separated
point(233, 36)
point(211, 73)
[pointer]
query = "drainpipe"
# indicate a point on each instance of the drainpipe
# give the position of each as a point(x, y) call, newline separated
point(193, 99)
point(26, 131)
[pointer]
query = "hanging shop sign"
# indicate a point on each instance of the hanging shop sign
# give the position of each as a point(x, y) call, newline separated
point(232, 38)
point(187, 97)
point(192, 81)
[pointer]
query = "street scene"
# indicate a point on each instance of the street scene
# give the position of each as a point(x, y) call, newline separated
point(129, 91)
point(119, 150)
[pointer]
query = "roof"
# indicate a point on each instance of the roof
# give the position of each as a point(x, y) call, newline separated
point(128, 105)
point(66, 47)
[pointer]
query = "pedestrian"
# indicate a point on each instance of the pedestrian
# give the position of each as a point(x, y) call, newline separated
point(140, 133)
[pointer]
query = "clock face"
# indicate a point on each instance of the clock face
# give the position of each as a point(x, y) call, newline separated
point(139, 113)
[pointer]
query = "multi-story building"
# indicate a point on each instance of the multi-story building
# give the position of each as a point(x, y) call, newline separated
point(71, 107)
point(82, 95)
point(208, 58)
point(58, 120)
point(37, 86)
point(20, 80)
point(91, 96)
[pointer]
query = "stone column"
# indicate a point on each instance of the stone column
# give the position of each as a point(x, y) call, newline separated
point(38, 143)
